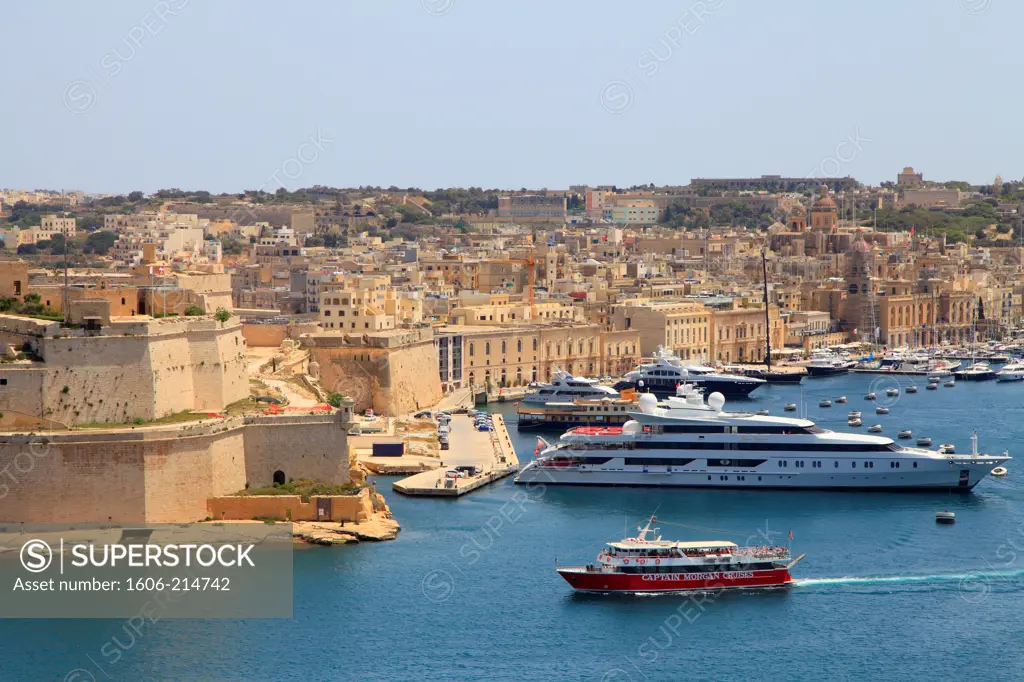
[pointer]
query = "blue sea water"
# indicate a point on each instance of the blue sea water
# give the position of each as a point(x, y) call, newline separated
point(468, 590)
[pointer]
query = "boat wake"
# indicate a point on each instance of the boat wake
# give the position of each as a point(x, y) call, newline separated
point(963, 579)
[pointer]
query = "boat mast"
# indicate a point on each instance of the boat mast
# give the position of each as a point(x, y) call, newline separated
point(767, 321)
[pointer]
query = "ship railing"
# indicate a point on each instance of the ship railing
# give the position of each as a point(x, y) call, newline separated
point(762, 552)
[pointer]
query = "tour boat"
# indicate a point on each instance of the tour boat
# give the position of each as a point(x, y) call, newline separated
point(563, 415)
point(647, 563)
point(687, 442)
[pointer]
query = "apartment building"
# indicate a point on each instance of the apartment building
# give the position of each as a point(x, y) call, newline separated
point(517, 355)
point(680, 325)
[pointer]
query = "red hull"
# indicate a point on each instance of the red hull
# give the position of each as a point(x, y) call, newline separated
point(595, 581)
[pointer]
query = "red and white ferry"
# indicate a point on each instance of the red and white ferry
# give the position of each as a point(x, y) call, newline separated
point(654, 565)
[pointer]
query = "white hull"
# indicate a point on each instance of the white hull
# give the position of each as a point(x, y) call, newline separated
point(939, 473)
point(1012, 376)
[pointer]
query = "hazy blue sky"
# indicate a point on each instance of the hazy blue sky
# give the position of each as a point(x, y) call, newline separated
point(114, 96)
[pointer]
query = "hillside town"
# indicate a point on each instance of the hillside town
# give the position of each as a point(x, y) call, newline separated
point(273, 318)
point(507, 287)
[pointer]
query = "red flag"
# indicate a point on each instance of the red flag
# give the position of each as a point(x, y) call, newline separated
point(790, 533)
point(912, 230)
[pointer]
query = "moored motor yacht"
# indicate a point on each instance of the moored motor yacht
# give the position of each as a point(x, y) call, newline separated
point(647, 563)
point(565, 388)
point(666, 371)
point(1014, 371)
point(686, 441)
point(828, 365)
point(979, 371)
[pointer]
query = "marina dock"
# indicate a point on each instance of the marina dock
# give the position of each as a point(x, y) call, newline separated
point(490, 451)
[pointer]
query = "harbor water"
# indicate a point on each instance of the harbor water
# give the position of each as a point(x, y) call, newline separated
point(468, 590)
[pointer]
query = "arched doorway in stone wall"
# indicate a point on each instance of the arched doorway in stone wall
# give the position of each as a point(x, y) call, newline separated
point(279, 477)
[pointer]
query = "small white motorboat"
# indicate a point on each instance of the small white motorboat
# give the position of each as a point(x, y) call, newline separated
point(762, 413)
point(905, 433)
point(892, 392)
point(881, 410)
point(870, 396)
point(945, 516)
point(932, 387)
point(825, 403)
point(855, 422)
point(841, 399)
point(875, 428)
point(924, 441)
point(854, 415)
point(910, 389)
point(947, 449)
point(790, 407)
point(934, 379)
point(949, 384)
point(999, 471)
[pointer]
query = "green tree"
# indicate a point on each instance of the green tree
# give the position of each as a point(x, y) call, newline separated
point(194, 310)
point(100, 242)
point(222, 315)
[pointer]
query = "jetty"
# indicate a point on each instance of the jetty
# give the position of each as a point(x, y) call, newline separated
point(491, 452)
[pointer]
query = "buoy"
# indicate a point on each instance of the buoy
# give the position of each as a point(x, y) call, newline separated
point(999, 471)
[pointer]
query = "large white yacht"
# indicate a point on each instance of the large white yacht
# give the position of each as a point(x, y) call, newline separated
point(666, 371)
point(565, 388)
point(690, 442)
point(1011, 372)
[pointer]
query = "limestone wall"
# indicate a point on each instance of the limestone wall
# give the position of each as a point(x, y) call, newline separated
point(161, 475)
point(355, 508)
point(273, 335)
point(388, 380)
point(300, 447)
point(149, 370)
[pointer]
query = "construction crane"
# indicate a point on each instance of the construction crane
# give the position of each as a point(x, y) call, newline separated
point(530, 263)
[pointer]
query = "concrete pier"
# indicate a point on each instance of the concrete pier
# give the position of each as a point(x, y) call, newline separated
point(490, 451)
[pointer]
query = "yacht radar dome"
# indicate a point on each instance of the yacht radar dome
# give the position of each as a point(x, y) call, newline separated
point(716, 401)
point(648, 403)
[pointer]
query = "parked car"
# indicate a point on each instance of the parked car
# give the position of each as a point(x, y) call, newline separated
point(454, 473)
point(485, 427)
point(425, 414)
point(468, 469)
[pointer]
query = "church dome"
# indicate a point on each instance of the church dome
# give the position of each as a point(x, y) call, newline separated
point(825, 201)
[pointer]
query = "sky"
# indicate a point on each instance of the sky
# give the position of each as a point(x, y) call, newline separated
point(231, 95)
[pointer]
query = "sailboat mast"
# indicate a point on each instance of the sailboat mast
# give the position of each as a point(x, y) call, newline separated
point(767, 321)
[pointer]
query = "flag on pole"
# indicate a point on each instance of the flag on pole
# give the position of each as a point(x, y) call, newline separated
point(541, 444)
point(790, 533)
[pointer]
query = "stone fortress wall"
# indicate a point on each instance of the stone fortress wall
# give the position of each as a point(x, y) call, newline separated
point(163, 475)
point(130, 370)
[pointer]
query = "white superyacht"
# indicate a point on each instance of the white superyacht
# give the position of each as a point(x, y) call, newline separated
point(689, 442)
